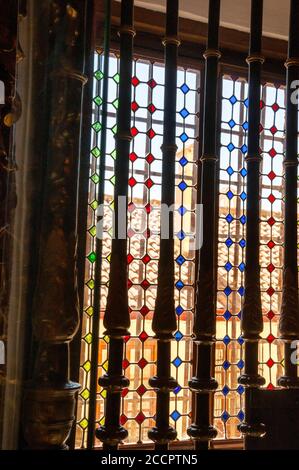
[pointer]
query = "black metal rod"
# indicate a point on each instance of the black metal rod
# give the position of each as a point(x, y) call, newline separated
point(202, 383)
point(289, 318)
point(164, 320)
point(252, 318)
point(117, 318)
point(99, 241)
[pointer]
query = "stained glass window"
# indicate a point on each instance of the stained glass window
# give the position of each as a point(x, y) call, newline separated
point(229, 402)
point(144, 184)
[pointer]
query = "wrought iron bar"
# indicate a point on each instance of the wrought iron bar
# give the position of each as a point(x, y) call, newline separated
point(164, 320)
point(203, 384)
point(99, 241)
point(289, 318)
point(252, 319)
point(117, 318)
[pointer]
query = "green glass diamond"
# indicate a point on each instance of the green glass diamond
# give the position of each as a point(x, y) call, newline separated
point(116, 78)
point(112, 180)
point(99, 75)
point(98, 100)
point(115, 103)
point(95, 178)
point(94, 205)
point(90, 284)
point(87, 366)
point(89, 311)
point(83, 423)
point(113, 154)
point(92, 257)
point(97, 126)
point(96, 152)
point(85, 394)
point(93, 231)
point(114, 129)
point(88, 338)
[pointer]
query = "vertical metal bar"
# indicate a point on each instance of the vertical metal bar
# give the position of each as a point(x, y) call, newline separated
point(164, 320)
point(289, 318)
point(99, 241)
point(117, 318)
point(202, 383)
point(252, 319)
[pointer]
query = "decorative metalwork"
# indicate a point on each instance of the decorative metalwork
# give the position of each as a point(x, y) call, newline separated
point(49, 400)
point(117, 319)
point(289, 319)
point(203, 383)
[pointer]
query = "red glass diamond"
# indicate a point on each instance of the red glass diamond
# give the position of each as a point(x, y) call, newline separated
point(151, 133)
point(140, 418)
point(129, 258)
point(144, 310)
point(151, 83)
point(271, 175)
point(271, 221)
point(134, 131)
point(270, 338)
point(270, 386)
point(270, 268)
point(270, 315)
point(130, 283)
point(130, 233)
point(145, 284)
point(272, 152)
point(148, 208)
point(273, 130)
point(147, 233)
point(141, 390)
point(271, 244)
point(126, 338)
point(125, 363)
point(146, 259)
point(270, 363)
point(124, 392)
point(270, 291)
point(271, 198)
point(262, 104)
point(151, 108)
point(135, 81)
point(149, 183)
point(142, 363)
point(132, 182)
point(143, 336)
point(131, 207)
point(150, 158)
point(261, 128)
point(133, 157)
point(134, 106)
point(275, 107)
point(123, 419)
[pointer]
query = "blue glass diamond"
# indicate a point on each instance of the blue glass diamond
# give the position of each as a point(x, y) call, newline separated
point(180, 260)
point(178, 336)
point(181, 235)
point(243, 219)
point(182, 210)
point(245, 125)
point(240, 339)
point(226, 365)
point(242, 243)
point(241, 291)
point(231, 147)
point(228, 266)
point(240, 389)
point(185, 88)
point(229, 218)
point(225, 416)
point(175, 415)
point(229, 242)
point(241, 415)
point(177, 362)
point(233, 99)
point(227, 315)
point(179, 310)
point(184, 113)
point(240, 364)
point(230, 195)
point(184, 137)
point(226, 340)
point(179, 285)
point(177, 389)
point(244, 148)
point(231, 123)
point(243, 172)
point(182, 185)
point(241, 267)
point(243, 196)
point(225, 390)
point(227, 291)
point(246, 102)
point(239, 315)
point(183, 161)
point(230, 171)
